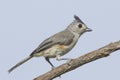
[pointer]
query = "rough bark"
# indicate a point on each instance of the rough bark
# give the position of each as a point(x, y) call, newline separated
point(75, 63)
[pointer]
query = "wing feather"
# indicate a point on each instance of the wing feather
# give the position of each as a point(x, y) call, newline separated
point(64, 38)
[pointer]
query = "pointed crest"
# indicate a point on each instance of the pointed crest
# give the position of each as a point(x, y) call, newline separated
point(78, 19)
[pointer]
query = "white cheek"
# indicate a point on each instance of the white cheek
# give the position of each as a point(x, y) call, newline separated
point(84, 26)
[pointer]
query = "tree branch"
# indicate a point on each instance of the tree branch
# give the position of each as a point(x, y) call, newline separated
point(75, 63)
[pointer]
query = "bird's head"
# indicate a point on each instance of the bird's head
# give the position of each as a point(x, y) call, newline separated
point(78, 26)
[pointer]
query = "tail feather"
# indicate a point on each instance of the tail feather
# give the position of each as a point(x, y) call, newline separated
point(20, 63)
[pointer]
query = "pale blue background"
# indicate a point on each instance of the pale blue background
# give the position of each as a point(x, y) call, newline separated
point(26, 23)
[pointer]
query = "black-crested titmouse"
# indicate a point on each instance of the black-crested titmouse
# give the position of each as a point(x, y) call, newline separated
point(58, 44)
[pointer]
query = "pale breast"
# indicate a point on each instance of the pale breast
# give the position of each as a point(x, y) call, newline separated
point(58, 49)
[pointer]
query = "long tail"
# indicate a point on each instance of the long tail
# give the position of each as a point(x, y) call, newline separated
point(20, 63)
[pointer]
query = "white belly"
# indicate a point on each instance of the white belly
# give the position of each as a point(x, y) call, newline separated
point(57, 49)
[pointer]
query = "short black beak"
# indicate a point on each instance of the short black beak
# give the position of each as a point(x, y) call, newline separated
point(88, 29)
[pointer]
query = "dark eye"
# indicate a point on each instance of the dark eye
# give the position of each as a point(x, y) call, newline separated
point(80, 25)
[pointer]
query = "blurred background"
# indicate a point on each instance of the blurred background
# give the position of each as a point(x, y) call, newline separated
point(24, 24)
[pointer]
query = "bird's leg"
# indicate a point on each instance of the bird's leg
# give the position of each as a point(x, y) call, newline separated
point(58, 57)
point(47, 59)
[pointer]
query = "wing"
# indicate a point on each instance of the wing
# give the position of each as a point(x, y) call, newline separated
point(64, 38)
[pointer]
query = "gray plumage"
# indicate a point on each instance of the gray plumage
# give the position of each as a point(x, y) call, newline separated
point(20, 63)
point(58, 44)
point(61, 38)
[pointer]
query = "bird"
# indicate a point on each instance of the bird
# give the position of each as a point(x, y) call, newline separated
point(59, 44)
